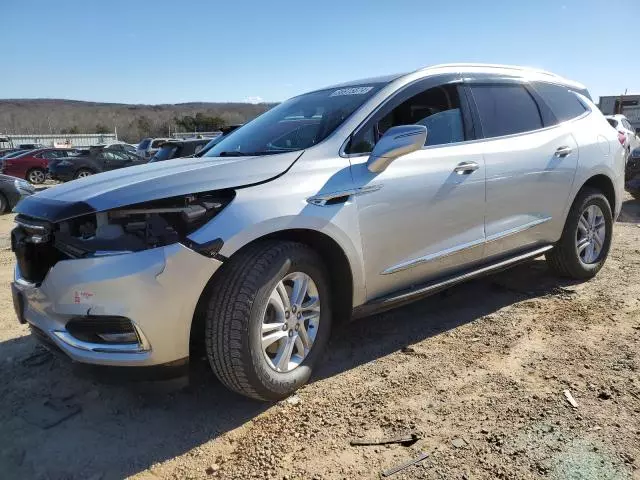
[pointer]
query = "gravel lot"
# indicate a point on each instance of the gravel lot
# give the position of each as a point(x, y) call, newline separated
point(478, 373)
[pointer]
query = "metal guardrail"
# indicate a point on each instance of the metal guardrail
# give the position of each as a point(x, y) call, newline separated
point(50, 140)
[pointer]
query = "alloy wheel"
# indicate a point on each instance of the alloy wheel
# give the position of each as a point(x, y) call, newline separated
point(290, 322)
point(36, 176)
point(590, 235)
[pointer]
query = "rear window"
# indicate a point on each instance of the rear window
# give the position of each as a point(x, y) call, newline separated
point(165, 153)
point(144, 144)
point(506, 109)
point(564, 104)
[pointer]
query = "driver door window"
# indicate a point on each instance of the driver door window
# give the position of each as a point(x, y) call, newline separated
point(438, 109)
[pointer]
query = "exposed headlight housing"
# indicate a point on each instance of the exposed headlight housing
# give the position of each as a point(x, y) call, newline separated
point(138, 227)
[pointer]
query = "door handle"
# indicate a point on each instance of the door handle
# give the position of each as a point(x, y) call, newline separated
point(465, 168)
point(563, 151)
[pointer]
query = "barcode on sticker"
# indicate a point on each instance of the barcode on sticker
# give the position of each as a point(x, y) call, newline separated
point(351, 91)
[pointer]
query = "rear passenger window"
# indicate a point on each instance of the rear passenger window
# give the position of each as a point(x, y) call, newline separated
point(506, 109)
point(564, 104)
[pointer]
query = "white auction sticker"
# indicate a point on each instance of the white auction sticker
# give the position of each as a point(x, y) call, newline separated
point(351, 91)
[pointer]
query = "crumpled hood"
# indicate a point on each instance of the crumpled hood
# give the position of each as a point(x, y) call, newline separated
point(152, 181)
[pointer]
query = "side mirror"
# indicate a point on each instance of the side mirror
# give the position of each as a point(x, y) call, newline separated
point(397, 141)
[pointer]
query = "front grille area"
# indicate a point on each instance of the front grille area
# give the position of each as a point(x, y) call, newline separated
point(31, 241)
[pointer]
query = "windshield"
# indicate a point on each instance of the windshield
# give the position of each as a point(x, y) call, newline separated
point(296, 124)
point(165, 153)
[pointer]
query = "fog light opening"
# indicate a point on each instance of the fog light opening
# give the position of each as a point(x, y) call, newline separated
point(107, 331)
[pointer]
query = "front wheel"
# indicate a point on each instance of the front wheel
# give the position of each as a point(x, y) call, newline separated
point(268, 319)
point(584, 246)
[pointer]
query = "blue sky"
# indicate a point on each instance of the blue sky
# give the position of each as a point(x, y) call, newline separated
point(169, 51)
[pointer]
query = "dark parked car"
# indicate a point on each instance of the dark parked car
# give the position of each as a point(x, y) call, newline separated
point(632, 174)
point(12, 190)
point(178, 149)
point(214, 141)
point(32, 164)
point(96, 161)
point(30, 146)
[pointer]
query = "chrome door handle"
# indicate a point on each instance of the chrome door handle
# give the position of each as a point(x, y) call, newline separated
point(465, 168)
point(563, 151)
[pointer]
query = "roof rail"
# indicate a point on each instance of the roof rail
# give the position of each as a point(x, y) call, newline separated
point(492, 65)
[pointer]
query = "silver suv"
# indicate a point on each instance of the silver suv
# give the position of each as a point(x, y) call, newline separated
point(335, 204)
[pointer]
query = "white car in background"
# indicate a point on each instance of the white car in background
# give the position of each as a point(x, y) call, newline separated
point(149, 146)
point(626, 132)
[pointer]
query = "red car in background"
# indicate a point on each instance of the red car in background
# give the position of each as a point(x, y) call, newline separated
point(32, 165)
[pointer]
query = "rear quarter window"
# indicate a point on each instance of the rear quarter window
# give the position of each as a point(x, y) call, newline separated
point(564, 104)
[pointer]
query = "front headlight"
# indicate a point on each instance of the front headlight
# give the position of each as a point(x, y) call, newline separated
point(23, 187)
point(140, 226)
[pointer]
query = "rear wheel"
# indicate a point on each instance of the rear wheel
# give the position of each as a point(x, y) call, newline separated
point(83, 172)
point(36, 176)
point(268, 320)
point(584, 246)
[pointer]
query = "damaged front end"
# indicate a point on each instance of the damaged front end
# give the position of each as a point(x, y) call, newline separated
point(39, 244)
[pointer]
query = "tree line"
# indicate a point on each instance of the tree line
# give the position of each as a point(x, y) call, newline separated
point(132, 122)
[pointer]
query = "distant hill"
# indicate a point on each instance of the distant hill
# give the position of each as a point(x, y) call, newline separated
point(41, 116)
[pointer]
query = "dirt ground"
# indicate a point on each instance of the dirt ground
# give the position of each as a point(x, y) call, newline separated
point(478, 373)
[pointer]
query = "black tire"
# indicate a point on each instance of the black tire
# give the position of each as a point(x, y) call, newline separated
point(83, 172)
point(234, 316)
point(564, 259)
point(36, 176)
point(4, 204)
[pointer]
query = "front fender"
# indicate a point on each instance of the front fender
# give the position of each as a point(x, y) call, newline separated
point(282, 205)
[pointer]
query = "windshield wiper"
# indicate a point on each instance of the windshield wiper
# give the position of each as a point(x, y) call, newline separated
point(236, 153)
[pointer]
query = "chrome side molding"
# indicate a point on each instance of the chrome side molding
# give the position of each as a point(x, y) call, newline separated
point(459, 248)
point(324, 199)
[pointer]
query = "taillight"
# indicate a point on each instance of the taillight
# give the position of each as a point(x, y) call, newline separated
point(622, 138)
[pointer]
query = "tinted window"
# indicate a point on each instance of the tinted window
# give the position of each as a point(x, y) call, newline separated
point(156, 143)
point(612, 122)
point(564, 104)
point(116, 156)
point(165, 153)
point(626, 123)
point(144, 144)
point(506, 109)
point(437, 108)
point(54, 154)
